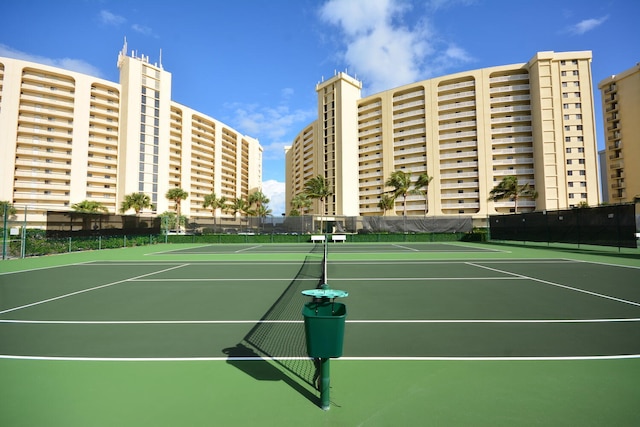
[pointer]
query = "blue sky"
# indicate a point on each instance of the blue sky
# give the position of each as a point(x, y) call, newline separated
point(261, 59)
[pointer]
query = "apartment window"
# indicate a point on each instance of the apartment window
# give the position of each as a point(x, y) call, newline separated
point(569, 161)
point(582, 173)
point(580, 149)
point(574, 62)
point(565, 106)
point(564, 84)
point(575, 72)
point(570, 183)
point(565, 95)
point(568, 150)
point(578, 116)
point(563, 62)
point(576, 94)
point(567, 128)
point(581, 161)
point(566, 116)
point(570, 173)
point(563, 73)
point(579, 127)
point(571, 195)
point(578, 105)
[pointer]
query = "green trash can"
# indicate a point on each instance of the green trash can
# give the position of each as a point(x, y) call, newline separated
point(324, 328)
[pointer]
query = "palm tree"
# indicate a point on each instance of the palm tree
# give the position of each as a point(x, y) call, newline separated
point(177, 195)
point(263, 211)
point(212, 201)
point(89, 206)
point(318, 188)
point(422, 187)
point(259, 199)
point(135, 201)
point(238, 205)
point(300, 202)
point(386, 203)
point(7, 207)
point(508, 188)
point(401, 183)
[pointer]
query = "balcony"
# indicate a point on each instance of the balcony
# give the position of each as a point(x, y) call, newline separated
point(511, 129)
point(457, 105)
point(512, 88)
point(513, 77)
point(460, 125)
point(458, 95)
point(415, 94)
point(456, 135)
point(459, 85)
point(458, 145)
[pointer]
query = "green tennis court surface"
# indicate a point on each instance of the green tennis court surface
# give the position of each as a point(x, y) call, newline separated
point(436, 334)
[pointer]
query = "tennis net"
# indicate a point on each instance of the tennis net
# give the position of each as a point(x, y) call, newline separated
point(279, 335)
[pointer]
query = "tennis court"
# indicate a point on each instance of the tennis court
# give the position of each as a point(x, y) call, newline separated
point(437, 334)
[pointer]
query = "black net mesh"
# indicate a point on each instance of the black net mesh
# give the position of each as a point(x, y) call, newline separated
point(613, 225)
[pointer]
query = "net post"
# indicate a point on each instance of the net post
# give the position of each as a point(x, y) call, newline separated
point(325, 401)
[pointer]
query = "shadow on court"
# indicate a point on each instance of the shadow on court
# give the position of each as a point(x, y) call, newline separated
point(263, 370)
point(275, 348)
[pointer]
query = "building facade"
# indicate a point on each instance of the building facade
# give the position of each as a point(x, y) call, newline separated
point(66, 137)
point(620, 96)
point(468, 131)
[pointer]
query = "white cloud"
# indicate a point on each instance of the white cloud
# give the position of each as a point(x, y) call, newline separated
point(144, 30)
point(443, 4)
point(109, 18)
point(586, 25)
point(71, 64)
point(275, 191)
point(385, 52)
point(274, 127)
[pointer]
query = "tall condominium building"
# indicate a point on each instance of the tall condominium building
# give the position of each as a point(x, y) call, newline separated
point(467, 130)
point(621, 117)
point(66, 137)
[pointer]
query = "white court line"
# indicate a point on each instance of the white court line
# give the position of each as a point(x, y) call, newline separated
point(45, 268)
point(240, 322)
point(559, 285)
point(348, 359)
point(87, 290)
point(333, 279)
point(405, 247)
point(247, 249)
point(608, 264)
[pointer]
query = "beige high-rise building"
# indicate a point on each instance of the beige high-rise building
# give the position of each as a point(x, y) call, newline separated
point(468, 131)
point(621, 117)
point(66, 137)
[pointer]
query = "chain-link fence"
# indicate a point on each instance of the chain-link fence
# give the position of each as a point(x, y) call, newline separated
point(311, 224)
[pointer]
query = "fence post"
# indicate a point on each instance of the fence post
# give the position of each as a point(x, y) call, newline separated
point(4, 232)
point(23, 243)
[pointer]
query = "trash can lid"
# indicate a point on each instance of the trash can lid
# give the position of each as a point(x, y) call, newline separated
point(325, 293)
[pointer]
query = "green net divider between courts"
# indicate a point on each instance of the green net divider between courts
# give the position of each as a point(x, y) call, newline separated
point(284, 340)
